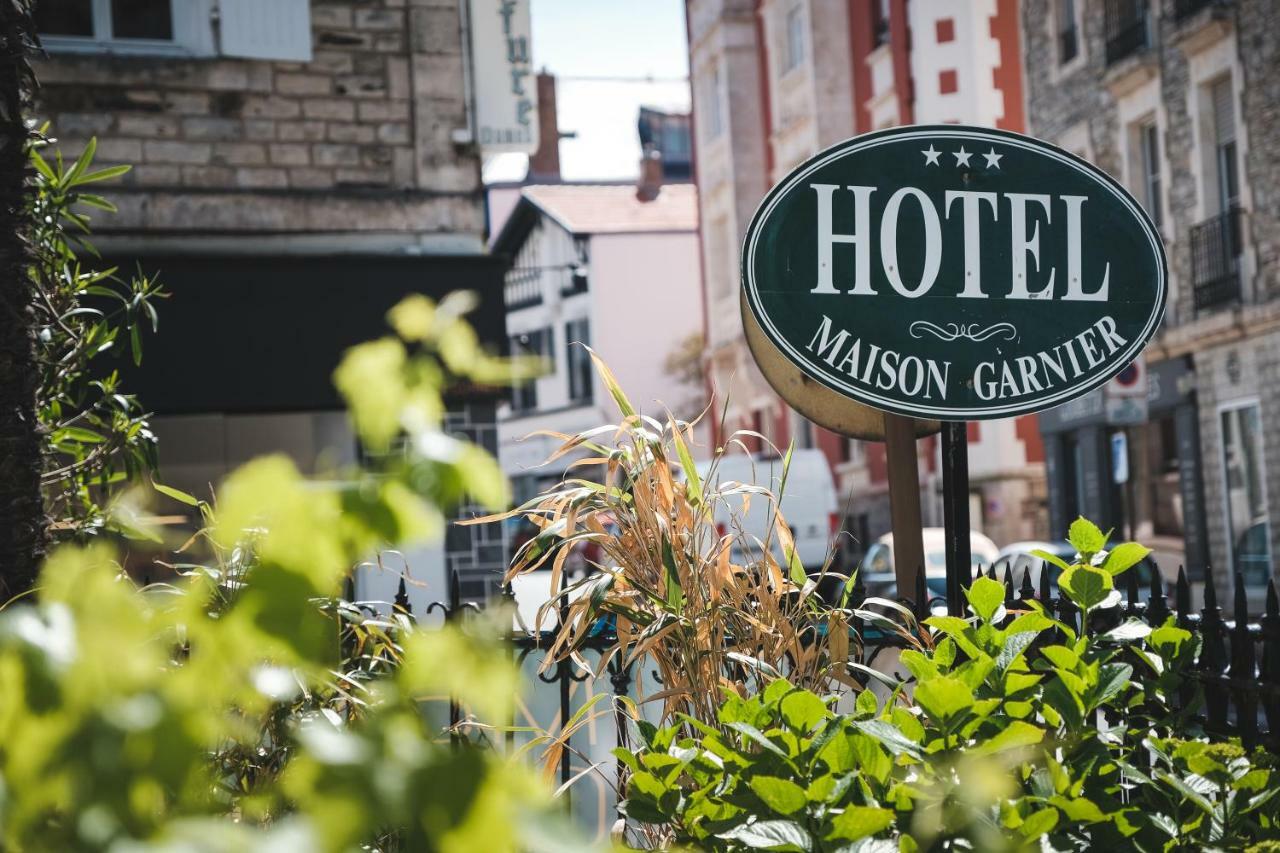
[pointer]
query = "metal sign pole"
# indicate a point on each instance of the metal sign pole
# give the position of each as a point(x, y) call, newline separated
point(955, 511)
point(904, 505)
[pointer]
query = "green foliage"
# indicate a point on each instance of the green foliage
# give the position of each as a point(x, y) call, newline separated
point(1017, 733)
point(245, 705)
point(96, 435)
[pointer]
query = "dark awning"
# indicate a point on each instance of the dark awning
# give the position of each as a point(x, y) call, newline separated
point(264, 334)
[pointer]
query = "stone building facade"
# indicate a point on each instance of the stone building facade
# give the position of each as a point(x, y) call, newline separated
point(1180, 100)
point(298, 167)
point(775, 81)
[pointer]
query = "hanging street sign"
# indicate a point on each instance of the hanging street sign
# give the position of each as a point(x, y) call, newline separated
point(952, 272)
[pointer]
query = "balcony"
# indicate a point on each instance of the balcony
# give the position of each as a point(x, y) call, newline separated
point(1215, 260)
point(523, 289)
point(1127, 28)
point(1183, 9)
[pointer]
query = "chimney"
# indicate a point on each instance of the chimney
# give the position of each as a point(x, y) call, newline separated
point(650, 182)
point(544, 164)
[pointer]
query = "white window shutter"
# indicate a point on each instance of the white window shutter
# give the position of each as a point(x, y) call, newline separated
point(266, 29)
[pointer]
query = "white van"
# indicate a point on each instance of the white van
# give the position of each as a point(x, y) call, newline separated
point(808, 501)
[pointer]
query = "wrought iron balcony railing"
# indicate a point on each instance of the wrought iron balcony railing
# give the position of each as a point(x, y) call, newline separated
point(1186, 8)
point(1215, 260)
point(522, 289)
point(1126, 27)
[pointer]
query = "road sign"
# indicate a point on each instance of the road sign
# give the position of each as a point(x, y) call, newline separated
point(1119, 458)
point(1126, 395)
point(953, 272)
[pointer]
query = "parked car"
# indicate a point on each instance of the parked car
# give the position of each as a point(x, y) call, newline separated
point(1020, 558)
point(877, 568)
point(808, 501)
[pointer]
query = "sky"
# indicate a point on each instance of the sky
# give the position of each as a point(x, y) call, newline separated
point(610, 57)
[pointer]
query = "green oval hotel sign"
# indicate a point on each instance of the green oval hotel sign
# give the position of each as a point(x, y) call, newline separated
point(954, 272)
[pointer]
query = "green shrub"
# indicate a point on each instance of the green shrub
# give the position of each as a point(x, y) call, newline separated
point(244, 705)
point(1016, 733)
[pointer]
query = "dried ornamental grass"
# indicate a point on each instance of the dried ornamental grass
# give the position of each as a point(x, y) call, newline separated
point(709, 609)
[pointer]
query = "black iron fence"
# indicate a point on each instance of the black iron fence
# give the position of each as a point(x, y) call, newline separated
point(1215, 260)
point(1126, 28)
point(1235, 689)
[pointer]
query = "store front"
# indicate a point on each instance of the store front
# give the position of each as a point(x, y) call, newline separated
point(1144, 480)
point(242, 366)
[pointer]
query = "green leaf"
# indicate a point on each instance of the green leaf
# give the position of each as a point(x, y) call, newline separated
point(889, 735)
point(1200, 801)
point(771, 835)
point(1086, 538)
point(611, 383)
point(1080, 809)
point(1127, 631)
point(1051, 558)
point(176, 494)
point(752, 733)
point(985, 597)
point(1086, 586)
point(1124, 557)
point(944, 698)
point(1014, 735)
point(781, 795)
point(1014, 645)
point(101, 175)
point(1112, 678)
point(693, 482)
point(1039, 823)
point(802, 710)
point(80, 434)
point(857, 822)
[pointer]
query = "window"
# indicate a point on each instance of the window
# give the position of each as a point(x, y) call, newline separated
point(534, 344)
point(1127, 26)
point(1068, 37)
point(880, 22)
point(253, 29)
point(793, 52)
point(1148, 143)
point(106, 21)
point(711, 104)
point(1226, 176)
point(577, 337)
point(803, 431)
point(1243, 471)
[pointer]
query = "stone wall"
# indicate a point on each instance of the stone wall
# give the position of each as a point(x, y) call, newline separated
point(358, 139)
point(1235, 347)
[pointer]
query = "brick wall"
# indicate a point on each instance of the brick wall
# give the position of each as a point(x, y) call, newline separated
point(364, 128)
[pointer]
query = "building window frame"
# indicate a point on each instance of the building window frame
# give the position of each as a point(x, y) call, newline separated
point(794, 43)
point(1067, 31)
point(1146, 165)
point(881, 12)
point(713, 104)
point(581, 385)
point(535, 343)
point(1260, 463)
point(186, 19)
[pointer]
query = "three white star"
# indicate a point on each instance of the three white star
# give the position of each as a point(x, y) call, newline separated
point(931, 156)
point(962, 156)
point(993, 159)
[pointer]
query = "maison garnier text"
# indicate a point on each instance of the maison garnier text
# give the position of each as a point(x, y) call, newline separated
point(1018, 215)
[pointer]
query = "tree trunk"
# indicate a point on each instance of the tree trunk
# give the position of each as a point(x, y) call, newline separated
point(22, 517)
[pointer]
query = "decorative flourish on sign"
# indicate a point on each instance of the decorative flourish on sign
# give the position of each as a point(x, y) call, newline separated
point(955, 331)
